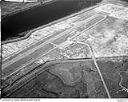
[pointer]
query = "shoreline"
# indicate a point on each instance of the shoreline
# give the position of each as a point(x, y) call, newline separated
point(27, 8)
point(51, 23)
point(27, 33)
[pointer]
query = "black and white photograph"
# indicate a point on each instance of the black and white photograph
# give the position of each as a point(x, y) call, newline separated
point(64, 49)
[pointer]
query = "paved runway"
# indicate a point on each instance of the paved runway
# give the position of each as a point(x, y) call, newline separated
point(33, 52)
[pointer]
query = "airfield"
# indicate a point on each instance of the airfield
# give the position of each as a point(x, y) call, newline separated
point(95, 39)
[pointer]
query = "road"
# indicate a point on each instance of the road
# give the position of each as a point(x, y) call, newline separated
point(98, 69)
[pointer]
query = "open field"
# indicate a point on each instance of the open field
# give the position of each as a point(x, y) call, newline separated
point(72, 74)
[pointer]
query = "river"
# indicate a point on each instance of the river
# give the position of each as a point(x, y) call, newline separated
point(13, 25)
